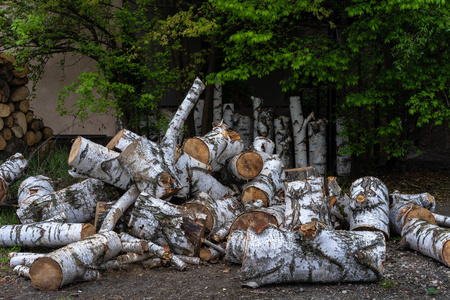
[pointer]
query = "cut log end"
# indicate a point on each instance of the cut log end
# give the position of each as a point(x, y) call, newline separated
point(249, 165)
point(75, 149)
point(231, 135)
point(87, 231)
point(360, 198)
point(197, 149)
point(446, 253)
point(46, 274)
point(115, 139)
point(257, 220)
point(418, 212)
point(252, 194)
point(209, 223)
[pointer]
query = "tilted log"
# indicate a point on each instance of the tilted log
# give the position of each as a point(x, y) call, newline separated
point(302, 173)
point(317, 145)
point(426, 200)
point(10, 171)
point(429, 239)
point(96, 161)
point(283, 140)
point(102, 210)
point(247, 165)
point(77, 201)
point(299, 125)
point(72, 262)
point(264, 144)
point(268, 182)
point(122, 140)
point(329, 256)
point(442, 220)
point(219, 212)
point(306, 201)
point(44, 234)
point(400, 213)
point(216, 147)
point(369, 205)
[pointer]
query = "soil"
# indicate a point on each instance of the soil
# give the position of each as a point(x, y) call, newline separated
point(407, 274)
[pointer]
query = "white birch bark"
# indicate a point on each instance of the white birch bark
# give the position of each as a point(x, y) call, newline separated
point(44, 234)
point(429, 239)
point(369, 205)
point(425, 200)
point(299, 126)
point(77, 201)
point(306, 201)
point(119, 207)
point(33, 188)
point(24, 260)
point(217, 103)
point(13, 168)
point(330, 256)
point(317, 141)
point(265, 123)
point(400, 213)
point(442, 220)
point(243, 126)
point(301, 173)
point(283, 140)
point(72, 262)
point(340, 203)
point(23, 271)
point(198, 116)
point(142, 222)
point(236, 246)
point(257, 104)
point(89, 158)
point(132, 257)
point(228, 112)
point(122, 140)
point(343, 161)
point(137, 247)
point(267, 184)
point(247, 165)
point(264, 144)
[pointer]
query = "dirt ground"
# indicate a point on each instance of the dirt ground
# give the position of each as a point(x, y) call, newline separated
point(407, 274)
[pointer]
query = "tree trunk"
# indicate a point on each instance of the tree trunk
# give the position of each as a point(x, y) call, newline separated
point(265, 123)
point(71, 263)
point(369, 205)
point(329, 256)
point(260, 218)
point(198, 117)
point(217, 104)
point(340, 204)
point(422, 199)
point(247, 165)
point(235, 246)
point(317, 142)
point(264, 144)
point(283, 140)
point(243, 127)
point(228, 112)
point(401, 213)
point(44, 234)
point(257, 109)
point(299, 125)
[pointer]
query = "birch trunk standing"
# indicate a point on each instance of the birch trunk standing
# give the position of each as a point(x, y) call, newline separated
point(425, 200)
point(306, 201)
point(217, 103)
point(428, 239)
point(369, 205)
point(329, 256)
point(198, 116)
point(400, 213)
point(228, 112)
point(91, 159)
point(264, 144)
point(265, 123)
point(243, 126)
point(44, 234)
point(299, 126)
point(257, 109)
point(77, 202)
point(343, 161)
point(317, 141)
point(283, 140)
point(72, 262)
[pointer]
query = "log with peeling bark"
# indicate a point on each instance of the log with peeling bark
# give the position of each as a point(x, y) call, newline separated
point(328, 256)
point(247, 165)
point(260, 218)
point(299, 125)
point(400, 213)
point(426, 200)
point(228, 112)
point(317, 145)
point(216, 147)
point(300, 173)
point(242, 124)
point(369, 205)
point(217, 103)
point(219, 212)
point(77, 201)
point(428, 239)
point(306, 201)
point(257, 104)
point(283, 140)
point(44, 234)
point(96, 161)
point(13, 168)
point(264, 144)
point(267, 184)
point(72, 262)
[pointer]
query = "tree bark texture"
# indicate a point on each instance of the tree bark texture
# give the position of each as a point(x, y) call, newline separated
point(264, 144)
point(228, 112)
point(300, 173)
point(198, 116)
point(257, 104)
point(243, 127)
point(400, 213)
point(283, 140)
point(217, 104)
point(299, 125)
point(317, 142)
point(426, 200)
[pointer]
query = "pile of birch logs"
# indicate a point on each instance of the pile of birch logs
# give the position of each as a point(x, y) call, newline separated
point(209, 199)
point(19, 128)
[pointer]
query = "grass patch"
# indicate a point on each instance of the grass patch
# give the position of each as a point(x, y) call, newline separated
point(387, 284)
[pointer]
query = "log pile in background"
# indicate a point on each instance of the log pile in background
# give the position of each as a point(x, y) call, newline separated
point(20, 129)
point(171, 205)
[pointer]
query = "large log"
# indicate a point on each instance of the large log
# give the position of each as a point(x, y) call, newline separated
point(122, 140)
point(11, 170)
point(247, 165)
point(329, 256)
point(426, 200)
point(258, 218)
point(44, 234)
point(264, 144)
point(317, 142)
point(33, 188)
point(72, 262)
point(400, 213)
point(283, 140)
point(299, 125)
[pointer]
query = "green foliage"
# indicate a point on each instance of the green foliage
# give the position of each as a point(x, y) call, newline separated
point(433, 291)
point(387, 284)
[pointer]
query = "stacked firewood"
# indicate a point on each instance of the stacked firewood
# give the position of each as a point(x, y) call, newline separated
point(19, 128)
point(211, 198)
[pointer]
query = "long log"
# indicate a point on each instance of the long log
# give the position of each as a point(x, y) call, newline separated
point(426, 200)
point(317, 142)
point(71, 263)
point(259, 218)
point(329, 256)
point(283, 140)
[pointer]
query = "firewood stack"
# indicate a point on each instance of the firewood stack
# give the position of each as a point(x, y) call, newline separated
point(211, 198)
point(20, 129)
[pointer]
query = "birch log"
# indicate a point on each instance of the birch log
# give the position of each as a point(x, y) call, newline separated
point(122, 140)
point(400, 213)
point(247, 165)
point(306, 201)
point(300, 173)
point(267, 184)
point(340, 204)
point(369, 205)
point(242, 124)
point(217, 103)
point(425, 200)
point(429, 239)
point(33, 188)
point(283, 140)
point(72, 262)
point(299, 125)
point(228, 112)
point(10, 171)
point(23, 271)
point(142, 222)
point(94, 160)
point(260, 218)
point(198, 116)
point(44, 234)
point(209, 254)
point(343, 161)
point(317, 142)
point(77, 201)
point(24, 260)
point(257, 109)
point(236, 246)
point(329, 256)
point(265, 123)
point(442, 220)
point(216, 147)
point(264, 144)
